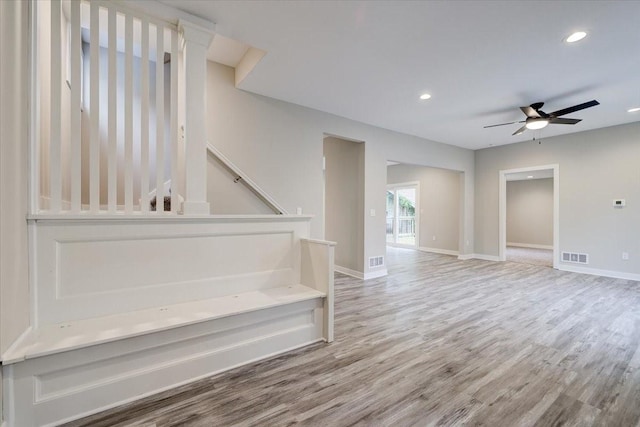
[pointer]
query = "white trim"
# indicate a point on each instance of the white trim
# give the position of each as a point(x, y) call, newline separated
point(529, 245)
point(375, 274)
point(15, 346)
point(166, 13)
point(502, 209)
point(599, 272)
point(33, 96)
point(349, 272)
point(483, 257)
point(362, 276)
point(439, 251)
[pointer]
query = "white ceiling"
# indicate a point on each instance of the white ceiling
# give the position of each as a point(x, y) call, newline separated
point(480, 60)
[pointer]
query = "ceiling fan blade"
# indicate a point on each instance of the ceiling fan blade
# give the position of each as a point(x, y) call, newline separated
point(578, 107)
point(519, 131)
point(502, 124)
point(559, 121)
point(530, 112)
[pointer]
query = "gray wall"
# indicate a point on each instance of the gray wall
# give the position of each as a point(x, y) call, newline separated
point(279, 145)
point(530, 212)
point(344, 201)
point(595, 167)
point(439, 203)
point(226, 197)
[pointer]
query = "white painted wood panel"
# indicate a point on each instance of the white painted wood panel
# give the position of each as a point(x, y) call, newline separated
point(96, 268)
point(65, 386)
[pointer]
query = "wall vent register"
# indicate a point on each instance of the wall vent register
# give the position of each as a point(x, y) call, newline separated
point(376, 261)
point(575, 258)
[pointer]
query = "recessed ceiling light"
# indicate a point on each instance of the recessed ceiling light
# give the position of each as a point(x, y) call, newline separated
point(530, 176)
point(633, 110)
point(577, 36)
point(425, 96)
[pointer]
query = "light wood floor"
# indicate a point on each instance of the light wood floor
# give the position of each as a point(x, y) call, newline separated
point(542, 257)
point(437, 342)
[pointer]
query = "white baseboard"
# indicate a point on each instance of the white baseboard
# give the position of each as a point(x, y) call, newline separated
point(599, 272)
point(359, 275)
point(439, 251)
point(375, 274)
point(349, 272)
point(529, 245)
point(479, 256)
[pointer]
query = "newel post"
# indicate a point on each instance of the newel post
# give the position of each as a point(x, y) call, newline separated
point(195, 44)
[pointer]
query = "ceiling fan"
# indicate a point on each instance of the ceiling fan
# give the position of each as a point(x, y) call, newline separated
point(537, 119)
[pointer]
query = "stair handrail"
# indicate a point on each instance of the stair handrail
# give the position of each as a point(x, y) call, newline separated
point(263, 195)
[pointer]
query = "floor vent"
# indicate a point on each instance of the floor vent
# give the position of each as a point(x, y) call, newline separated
point(376, 261)
point(575, 258)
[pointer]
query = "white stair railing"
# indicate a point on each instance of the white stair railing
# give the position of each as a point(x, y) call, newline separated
point(242, 177)
point(111, 136)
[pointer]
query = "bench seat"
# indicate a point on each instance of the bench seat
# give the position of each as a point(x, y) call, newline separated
point(78, 334)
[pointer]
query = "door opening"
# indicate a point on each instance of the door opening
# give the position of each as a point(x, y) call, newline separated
point(403, 214)
point(528, 174)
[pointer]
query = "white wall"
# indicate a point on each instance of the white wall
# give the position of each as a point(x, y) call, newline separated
point(14, 188)
point(280, 146)
point(439, 203)
point(344, 201)
point(595, 167)
point(530, 212)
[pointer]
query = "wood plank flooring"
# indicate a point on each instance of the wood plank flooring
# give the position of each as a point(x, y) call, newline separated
point(438, 342)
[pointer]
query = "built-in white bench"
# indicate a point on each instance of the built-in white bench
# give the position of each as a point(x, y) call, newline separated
point(105, 332)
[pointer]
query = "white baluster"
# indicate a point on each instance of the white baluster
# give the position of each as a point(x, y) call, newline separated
point(159, 118)
point(174, 122)
point(94, 151)
point(112, 88)
point(55, 174)
point(76, 108)
point(128, 115)
point(144, 118)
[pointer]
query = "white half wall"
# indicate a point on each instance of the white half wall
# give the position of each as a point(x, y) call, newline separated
point(280, 146)
point(595, 168)
point(530, 212)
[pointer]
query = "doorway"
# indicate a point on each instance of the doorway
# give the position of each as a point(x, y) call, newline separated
point(403, 214)
point(525, 249)
point(344, 202)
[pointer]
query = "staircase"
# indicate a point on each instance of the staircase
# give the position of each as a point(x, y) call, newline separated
point(127, 302)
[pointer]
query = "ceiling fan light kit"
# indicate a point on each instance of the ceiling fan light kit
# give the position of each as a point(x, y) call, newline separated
point(536, 123)
point(538, 119)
